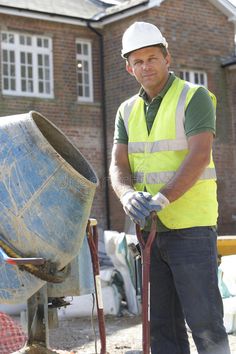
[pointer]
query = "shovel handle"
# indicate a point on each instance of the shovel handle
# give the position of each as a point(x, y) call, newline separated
point(151, 235)
point(146, 255)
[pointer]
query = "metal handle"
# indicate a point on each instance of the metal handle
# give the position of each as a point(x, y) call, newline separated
point(21, 261)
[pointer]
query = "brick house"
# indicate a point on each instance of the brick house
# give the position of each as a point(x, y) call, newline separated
point(62, 59)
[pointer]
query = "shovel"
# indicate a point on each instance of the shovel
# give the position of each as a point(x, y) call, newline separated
point(146, 255)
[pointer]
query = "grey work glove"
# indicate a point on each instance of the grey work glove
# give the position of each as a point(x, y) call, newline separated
point(136, 206)
point(158, 202)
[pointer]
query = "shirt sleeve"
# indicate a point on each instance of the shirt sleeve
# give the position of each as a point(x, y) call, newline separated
point(120, 133)
point(200, 114)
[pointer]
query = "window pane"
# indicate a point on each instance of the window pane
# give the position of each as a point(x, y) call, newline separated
point(40, 59)
point(23, 72)
point(86, 67)
point(22, 40)
point(22, 57)
point(79, 49)
point(46, 60)
point(13, 84)
point(5, 55)
point(5, 69)
point(80, 80)
point(202, 81)
point(30, 71)
point(5, 84)
point(23, 85)
point(29, 58)
point(80, 89)
point(85, 49)
point(12, 56)
point(4, 37)
point(29, 41)
point(39, 42)
point(86, 91)
point(47, 74)
point(11, 38)
point(47, 87)
point(79, 65)
point(187, 76)
point(30, 86)
point(40, 73)
point(12, 72)
point(45, 43)
point(86, 79)
point(196, 78)
point(40, 86)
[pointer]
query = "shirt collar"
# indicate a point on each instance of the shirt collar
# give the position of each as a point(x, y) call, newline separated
point(162, 93)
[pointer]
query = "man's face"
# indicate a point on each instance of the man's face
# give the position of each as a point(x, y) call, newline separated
point(150, 68)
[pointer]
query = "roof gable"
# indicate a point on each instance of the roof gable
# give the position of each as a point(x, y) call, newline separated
point(95, 10)
point(226, 7)
point(81, 9)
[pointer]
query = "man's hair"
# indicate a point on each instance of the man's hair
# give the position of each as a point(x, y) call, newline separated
point(163, 49)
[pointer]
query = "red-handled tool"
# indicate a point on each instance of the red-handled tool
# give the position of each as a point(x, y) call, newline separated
point(146, 255)
point(20, 261)
point(92, 236)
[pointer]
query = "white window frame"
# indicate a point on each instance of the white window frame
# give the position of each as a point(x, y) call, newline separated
point(191, 75)
point(34, 50)
point(88, 58)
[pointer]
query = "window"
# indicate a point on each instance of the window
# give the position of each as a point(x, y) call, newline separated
point(195, 77)
point(26, 65)
point(84, 71)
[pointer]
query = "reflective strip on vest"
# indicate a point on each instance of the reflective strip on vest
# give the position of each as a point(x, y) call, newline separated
point(165, 176)
point(127, 110)
point(156, 146)
point(180, 112)
point(179, 143)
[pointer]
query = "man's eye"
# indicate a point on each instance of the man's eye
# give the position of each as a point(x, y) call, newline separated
point(152, 60)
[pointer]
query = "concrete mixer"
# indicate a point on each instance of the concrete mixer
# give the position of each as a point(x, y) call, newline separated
point(46, 193)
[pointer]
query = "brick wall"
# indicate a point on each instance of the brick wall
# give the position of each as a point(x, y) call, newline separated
point(82, 123)
point(199, 37)
point(225, 155)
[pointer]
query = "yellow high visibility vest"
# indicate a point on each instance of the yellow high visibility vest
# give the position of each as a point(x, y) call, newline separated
point(155, 157)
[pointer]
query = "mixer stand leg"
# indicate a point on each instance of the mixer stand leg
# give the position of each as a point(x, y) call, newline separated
point(37, 313)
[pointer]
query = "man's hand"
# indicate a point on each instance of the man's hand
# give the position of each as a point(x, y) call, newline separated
point(158, 202)
point(136, 206)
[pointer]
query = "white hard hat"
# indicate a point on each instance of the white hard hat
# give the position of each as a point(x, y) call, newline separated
point(140, 35)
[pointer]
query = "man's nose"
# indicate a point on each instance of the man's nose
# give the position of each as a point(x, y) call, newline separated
point(146, 65)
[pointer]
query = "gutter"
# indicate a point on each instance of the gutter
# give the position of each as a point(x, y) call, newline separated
point(229, 62)
point(47, 16)
point(104, 124)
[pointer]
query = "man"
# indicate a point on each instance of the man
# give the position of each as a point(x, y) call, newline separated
point(162, 161)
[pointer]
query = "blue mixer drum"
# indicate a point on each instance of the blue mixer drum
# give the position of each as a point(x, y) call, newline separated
point(46, 194)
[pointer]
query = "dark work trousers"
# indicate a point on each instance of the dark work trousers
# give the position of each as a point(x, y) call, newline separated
point(184, 286)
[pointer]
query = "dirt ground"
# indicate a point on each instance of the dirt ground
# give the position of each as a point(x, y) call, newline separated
point(123, 336)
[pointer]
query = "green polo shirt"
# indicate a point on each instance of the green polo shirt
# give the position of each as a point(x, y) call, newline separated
point(199, 117)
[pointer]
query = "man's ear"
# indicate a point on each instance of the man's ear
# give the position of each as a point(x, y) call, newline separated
point(168, 59)
point(129, 68)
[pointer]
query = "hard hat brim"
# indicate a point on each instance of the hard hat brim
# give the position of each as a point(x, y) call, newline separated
point(125, 54)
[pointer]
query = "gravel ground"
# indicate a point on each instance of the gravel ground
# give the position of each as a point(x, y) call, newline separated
point(123, 336)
